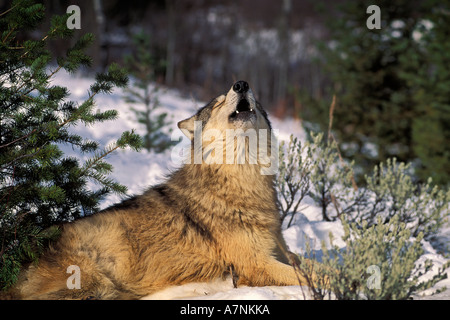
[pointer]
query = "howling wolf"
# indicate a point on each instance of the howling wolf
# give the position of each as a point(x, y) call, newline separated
point(216, 213)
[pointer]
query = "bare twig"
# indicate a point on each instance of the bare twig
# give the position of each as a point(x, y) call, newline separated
point(297, 271)
point(25, 155)
point(18, 139)
point(330, 121)
point(336, 205)
point(332, 137)
point(5, 12)
point(106, 153)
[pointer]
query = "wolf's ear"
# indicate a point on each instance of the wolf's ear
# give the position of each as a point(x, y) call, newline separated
point(187, 127)
point(219, 100)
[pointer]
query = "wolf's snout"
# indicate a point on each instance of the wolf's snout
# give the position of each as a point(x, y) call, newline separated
point(240, 87)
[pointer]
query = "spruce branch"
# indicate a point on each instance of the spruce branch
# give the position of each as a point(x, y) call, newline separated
point(127, 139)
point(8, 10)
point(46, 187)
point(18, 139)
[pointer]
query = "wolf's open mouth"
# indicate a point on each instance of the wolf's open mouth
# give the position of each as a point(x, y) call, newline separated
point(243, 109)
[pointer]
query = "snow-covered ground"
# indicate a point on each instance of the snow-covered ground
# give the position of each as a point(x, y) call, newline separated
point(140, 170)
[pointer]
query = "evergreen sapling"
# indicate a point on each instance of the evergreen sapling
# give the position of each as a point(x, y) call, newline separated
point(40, 187)
point(143, 95)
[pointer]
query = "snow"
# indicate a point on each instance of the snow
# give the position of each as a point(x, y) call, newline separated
point(139, 170)
point(224, 290)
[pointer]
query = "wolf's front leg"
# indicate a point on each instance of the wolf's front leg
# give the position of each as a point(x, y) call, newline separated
point(277, 273)
point(271, 273)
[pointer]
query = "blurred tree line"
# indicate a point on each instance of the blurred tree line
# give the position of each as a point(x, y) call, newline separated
point(206, 45)
point(391, 84)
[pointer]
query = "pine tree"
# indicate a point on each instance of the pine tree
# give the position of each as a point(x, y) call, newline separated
point(392, 92)
point(427, 73)
point(40, 186)
point(142, 66)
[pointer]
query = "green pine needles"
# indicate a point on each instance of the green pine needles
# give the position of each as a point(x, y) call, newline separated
point(39, 185)
point(143, 94)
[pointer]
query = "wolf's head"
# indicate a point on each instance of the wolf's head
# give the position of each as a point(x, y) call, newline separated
point(236, 109)
point(232, 129)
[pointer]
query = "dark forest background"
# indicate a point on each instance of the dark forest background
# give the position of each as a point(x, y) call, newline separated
point(392, 85)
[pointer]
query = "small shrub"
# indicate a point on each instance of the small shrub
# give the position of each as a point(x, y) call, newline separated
point(312, 169)
point(377, 263)
point(293, 179)
point(391, 192)
point(384, 222)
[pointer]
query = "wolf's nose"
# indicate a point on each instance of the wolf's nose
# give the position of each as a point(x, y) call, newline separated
point(240, 87)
